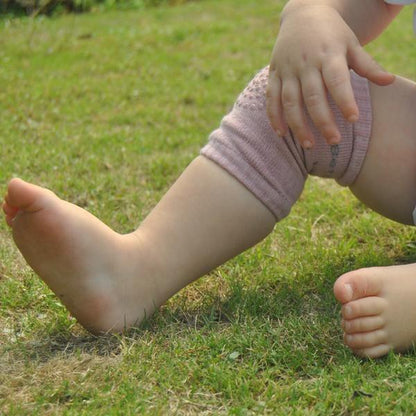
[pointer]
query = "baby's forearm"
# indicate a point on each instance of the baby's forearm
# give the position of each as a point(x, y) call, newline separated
point(367, 18)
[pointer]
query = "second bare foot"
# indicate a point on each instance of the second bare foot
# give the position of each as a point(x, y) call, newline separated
point(378, 309)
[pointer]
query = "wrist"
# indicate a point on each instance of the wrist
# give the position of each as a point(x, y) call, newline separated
point(302, 7)
point(366, 18)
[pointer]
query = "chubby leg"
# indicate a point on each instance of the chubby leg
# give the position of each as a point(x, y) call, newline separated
point(110, 281)
point(379, 312)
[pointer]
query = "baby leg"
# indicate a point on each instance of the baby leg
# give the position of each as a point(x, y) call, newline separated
point(379, 312)
point(226, 201)
point(110, 281)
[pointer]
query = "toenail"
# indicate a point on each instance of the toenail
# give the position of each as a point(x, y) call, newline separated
point(347, 311)
point(348, 291)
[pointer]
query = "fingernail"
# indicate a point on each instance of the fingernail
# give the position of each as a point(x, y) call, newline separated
point(353, 118)
point(307, 144)
point(279, 133)
point(334, 140)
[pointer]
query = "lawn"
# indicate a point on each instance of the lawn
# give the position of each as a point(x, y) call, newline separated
point(107, 109)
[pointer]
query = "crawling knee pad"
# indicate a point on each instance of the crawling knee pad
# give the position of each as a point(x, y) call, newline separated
point(273, 168)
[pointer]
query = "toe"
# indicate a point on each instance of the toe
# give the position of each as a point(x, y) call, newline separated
point(373, 352)
point(8, 209)
point(361, 308)
point(366, 324)
point(365, 339)
point(25, 196)
point(357, 284)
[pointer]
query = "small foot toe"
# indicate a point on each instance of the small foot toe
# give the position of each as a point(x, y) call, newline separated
point(373, 352)
point(365, 339)
point(366, 324)
point(365, 307)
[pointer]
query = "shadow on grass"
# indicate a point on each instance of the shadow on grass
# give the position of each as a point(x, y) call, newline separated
point(276, 313)
point(63, 344)
point(303, 314)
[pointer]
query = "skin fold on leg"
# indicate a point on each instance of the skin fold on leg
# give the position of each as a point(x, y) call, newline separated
point(379, 304)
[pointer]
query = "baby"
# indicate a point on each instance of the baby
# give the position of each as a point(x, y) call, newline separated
point(244, 181)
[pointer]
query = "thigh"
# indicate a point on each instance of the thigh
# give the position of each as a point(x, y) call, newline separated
point(387, 180)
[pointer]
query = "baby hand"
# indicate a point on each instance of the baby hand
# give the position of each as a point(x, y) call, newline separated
point(314, 51)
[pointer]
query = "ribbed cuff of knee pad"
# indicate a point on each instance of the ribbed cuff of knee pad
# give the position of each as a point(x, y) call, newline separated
point(269, 167)
point(361, 130)
point(241, 165)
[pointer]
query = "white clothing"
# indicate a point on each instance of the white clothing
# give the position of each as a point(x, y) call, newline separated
point(400, 1)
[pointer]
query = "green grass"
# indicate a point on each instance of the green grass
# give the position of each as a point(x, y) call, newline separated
point(107, 109)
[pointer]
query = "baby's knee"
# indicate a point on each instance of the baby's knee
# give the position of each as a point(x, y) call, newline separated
point(274, 169)
point(247, 147)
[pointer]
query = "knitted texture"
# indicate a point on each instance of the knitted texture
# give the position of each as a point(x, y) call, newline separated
point(273, 168)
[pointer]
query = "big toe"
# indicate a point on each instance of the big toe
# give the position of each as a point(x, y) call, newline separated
point(25, 196)
point(357, 284)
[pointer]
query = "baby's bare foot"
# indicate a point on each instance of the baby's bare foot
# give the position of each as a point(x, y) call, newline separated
point(97, 273)
point(378, 309)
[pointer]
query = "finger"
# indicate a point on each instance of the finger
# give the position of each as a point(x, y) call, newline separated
point(294, 114)
point(274, 103)
point(337, 79)
point(316, 101)
point(364, 64)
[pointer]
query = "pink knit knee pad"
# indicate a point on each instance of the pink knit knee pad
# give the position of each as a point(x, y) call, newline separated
point(274, 169)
